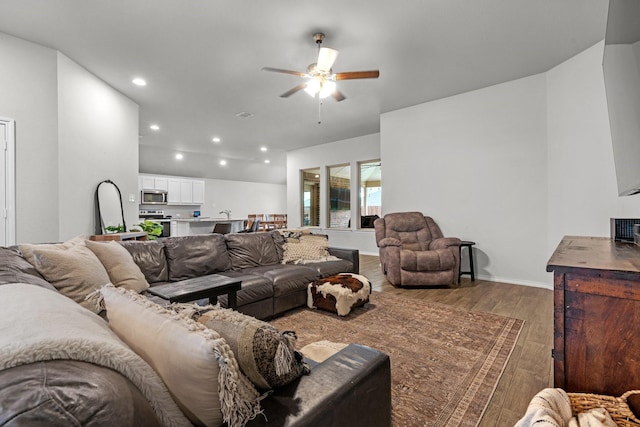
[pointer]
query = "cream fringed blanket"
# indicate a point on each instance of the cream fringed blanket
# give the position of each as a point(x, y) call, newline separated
point(551, 407)
point(37, 324)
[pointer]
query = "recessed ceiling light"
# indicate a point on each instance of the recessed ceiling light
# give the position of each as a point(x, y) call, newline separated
point(244, 115)
point(179, 156)
point(263, 148)
point(223, 162)
point(139, 81)
point(216, 139)
point(267, 161)
point(154, 127)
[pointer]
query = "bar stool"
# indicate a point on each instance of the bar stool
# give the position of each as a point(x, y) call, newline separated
point(467, 244)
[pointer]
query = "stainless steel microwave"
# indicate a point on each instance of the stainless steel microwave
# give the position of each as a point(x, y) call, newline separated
point(153, 197)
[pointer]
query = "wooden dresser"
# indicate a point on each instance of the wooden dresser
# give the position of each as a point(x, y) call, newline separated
point(596, 315)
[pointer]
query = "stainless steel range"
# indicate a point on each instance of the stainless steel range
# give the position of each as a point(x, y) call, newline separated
point(158, 216)
point(152, 214)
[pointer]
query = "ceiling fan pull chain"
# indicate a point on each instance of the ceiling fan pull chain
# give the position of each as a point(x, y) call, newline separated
point(319, 110)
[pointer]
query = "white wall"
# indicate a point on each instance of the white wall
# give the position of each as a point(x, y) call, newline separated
point(241, 197)
point(72, 131)
point(28, 77)
point(351, 151)
point(98, 140)
point(582, 180)
point(476, 163)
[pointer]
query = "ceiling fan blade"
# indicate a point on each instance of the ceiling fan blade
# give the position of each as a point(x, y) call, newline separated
point(280, 70)
point(338, 95)
point(294, 90)
point(326, 58)
point(350, 75)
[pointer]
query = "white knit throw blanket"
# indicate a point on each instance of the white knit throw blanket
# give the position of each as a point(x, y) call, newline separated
point(551, 407)
point(37, 324)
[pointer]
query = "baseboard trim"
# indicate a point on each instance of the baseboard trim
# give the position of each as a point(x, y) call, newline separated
point(515, 281)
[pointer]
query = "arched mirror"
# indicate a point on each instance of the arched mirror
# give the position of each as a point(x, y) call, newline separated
point(622, 82)
point(109, 211)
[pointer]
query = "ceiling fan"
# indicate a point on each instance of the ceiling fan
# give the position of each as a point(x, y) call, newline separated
point(319, 76)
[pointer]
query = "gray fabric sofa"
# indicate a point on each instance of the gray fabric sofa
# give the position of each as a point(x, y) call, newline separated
point(353, 387)
point(269, 288)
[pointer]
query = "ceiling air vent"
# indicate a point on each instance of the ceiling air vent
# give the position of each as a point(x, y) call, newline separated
point(244, 115)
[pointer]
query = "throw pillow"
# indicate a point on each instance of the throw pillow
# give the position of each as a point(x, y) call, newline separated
point(27, 248)
point(194, 362)
point(265, 355)
point(307, 248)
point(75, 272)
point(122, 271)
point(15, 269)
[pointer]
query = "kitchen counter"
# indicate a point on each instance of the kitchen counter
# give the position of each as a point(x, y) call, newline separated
point(202, 225)
point(207, 219)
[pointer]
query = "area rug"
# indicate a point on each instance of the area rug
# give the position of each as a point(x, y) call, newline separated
point(445, 362)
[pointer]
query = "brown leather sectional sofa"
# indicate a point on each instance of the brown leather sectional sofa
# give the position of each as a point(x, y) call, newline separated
point(269, 288)
point(353, 387)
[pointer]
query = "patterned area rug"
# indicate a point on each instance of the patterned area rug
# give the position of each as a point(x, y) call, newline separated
point(445, 362)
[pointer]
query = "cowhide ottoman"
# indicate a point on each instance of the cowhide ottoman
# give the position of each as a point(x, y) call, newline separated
point(339, 293)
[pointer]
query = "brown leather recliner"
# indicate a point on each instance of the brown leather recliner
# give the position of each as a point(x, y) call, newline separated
point(413, 251)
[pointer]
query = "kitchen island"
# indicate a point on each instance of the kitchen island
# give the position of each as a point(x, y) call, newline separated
point(202, 225)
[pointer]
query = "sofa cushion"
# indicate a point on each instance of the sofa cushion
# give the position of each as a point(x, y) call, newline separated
point(194, 256)
point(287, 278)
point(252, 249)
point(438, 260)
point(74, 271)
point(150, 257)
point(194, 362)
point(330, 268)
point(122, 271)
point(15, 269)
point(307, 248)
point(47, 393)
point(265, 355)
point(254, 288)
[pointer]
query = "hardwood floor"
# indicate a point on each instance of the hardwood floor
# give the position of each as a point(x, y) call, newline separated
point(530, 368)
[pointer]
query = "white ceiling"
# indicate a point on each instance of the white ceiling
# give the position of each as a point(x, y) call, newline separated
point(202, 60)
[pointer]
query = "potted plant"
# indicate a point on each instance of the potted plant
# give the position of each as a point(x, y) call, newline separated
point(152, 228)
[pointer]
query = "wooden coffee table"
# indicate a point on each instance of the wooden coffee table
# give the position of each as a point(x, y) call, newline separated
point(200, 287)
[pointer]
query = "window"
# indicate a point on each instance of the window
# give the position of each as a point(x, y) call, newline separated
point(310, 197)
point(370, 194)
point(339, 196)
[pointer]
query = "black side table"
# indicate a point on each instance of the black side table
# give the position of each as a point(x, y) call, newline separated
point(467, 244)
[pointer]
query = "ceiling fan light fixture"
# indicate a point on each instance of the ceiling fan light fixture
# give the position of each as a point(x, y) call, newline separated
point(312, 87)
point(327, 88)
point(326, 58)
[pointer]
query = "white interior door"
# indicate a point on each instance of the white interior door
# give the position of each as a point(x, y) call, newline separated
point(7, 183)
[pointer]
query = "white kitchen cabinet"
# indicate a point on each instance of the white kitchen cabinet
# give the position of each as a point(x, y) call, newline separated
point(186, 191)
point(198, 192)
point(180, 191)
point(174, 191)
point(160, 183)
point(180, 228)
point(150, 182)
